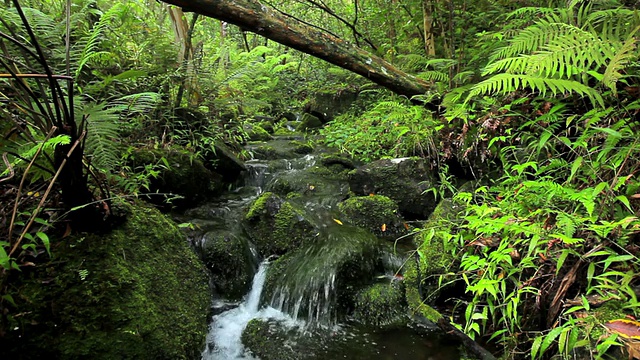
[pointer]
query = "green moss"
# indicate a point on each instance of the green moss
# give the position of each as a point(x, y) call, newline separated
point(414, 300)
point(137, 292)
point(276, 226)
point(257, 208)
point(300, 147)
point(381, 304)
point(308, 122)
point(434, 258)
point(265, 152)
point(337, 163)
point(283, 131)
point(376, 213)
point(257, 133)
point(228, 257)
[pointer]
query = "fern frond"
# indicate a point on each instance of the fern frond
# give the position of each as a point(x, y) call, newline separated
point(506, 83)
point(92, 42)
point(567, 55)
point(434, 76)
point(102, 134)
point(623, 56)
point(530, 11)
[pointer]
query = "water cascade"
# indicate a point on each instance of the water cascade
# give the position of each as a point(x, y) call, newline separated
point(303, 293)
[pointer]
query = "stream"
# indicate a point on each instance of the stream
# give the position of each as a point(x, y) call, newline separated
point(301, 311)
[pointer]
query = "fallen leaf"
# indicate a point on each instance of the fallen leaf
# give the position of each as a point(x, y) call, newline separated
point(626, 328)
point(338, 221)
point(67, 232)
point(383, 227)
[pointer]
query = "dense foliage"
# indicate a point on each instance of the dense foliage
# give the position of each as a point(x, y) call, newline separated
point(539, 101)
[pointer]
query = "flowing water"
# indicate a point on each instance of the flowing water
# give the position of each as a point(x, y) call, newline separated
point(223, 340)
point(303, 302)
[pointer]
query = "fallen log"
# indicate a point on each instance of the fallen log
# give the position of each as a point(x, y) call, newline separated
point(251, 15)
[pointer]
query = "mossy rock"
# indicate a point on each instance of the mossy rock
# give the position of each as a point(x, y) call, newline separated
point(277, 226)
point(256, 133)
point(138, 292)
point(313, 182)
point(226, 162)
point(267, 126)
point(181, 173)
point(264, 152)
point(228, 257)
point(381, 304)
point(337, 163)
point(302, 148)
point(308, 122)
point(268, 340)
point(377, 214)
point(405, 180)
point(285, 132)
point(413, 294)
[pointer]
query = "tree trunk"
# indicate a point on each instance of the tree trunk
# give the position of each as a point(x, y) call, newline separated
point(429, 37)
point(263, 20)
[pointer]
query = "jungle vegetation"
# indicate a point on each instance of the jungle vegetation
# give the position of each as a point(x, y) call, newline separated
point(538, 100)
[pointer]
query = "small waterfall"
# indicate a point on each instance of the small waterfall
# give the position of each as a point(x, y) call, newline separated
point(307, 289)
point(258, 172)
point(224, 338)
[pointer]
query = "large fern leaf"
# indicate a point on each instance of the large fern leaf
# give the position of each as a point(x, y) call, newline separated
point(102, 145)
point(619, 61)
point(506, 83)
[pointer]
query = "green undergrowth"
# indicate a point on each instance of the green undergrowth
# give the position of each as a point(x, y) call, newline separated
point(550, 244)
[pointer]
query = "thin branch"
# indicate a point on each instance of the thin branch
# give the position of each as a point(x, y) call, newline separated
point(356, 33)
point(24, 177)
point(46, 194)
point(300, 20)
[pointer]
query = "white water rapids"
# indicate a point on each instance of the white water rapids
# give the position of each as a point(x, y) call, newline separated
point(224, 338)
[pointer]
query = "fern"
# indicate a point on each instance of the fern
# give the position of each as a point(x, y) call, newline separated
point(434, 76)
point(91, 43)
point(619, 61)
point(507, 83)
point(102, 146)
point(557, 52)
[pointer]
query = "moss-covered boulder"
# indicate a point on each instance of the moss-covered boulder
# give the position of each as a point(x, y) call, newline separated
point(329, 104)
point(403, 180)
point(228, 257)
point(414, 294)
point(381, 304)
point(274, 149)
point(316, 181)
point(257, 133)
point(276, 226)
point(435, 255)
point(337, 162)
point(376, 213)
point(137, 292)
point(179, 172)
point(301, 147)
point(308, 122)
point(226, 162)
